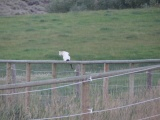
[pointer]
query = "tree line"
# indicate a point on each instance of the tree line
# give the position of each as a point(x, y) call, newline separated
point(80, 5)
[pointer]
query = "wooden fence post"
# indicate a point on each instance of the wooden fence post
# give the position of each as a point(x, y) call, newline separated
point(54, 91)
point(149, 79)
point(13, 74)
point(85, 101)
point(105, 86)
point(27, 94)
point(131, 83)
point(78, 68)
point(13, 68)
point(8, 81)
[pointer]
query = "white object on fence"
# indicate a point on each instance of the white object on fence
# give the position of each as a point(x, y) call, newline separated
point(65, 55)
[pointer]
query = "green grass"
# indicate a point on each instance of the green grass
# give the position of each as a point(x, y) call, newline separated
point(110, 34)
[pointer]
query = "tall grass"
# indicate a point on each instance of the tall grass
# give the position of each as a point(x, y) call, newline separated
point(42, 106)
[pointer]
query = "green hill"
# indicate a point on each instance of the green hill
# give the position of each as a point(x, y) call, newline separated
point(108, 34)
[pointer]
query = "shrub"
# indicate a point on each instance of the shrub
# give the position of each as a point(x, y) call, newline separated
point(117, 4)
point(153, 2)
point(60, 5)
point(80, 5)
point(76, 7)
point(136, 3)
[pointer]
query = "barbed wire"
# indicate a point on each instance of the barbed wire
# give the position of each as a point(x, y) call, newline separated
point(98, 111)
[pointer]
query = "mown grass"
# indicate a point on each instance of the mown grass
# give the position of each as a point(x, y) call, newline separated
point(88, 35)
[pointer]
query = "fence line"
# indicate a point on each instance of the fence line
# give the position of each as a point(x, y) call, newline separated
point(82, 62)
point(35, 71)
point(51, 71)
point(44, 71)
point(77, 78)
point(88, 80)
point(80, 78)
point(98, 111)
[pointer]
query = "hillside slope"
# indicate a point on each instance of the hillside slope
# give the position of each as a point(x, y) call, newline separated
point(87, 35)
point(19, 7)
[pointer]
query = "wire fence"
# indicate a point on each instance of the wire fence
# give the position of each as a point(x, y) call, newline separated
point(63, 100)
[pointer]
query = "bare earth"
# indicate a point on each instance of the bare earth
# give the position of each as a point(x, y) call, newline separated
point(21, 7)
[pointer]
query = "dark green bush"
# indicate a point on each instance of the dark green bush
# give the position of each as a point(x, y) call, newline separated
point(136, 3)
point(60, 5)
point(79, 5)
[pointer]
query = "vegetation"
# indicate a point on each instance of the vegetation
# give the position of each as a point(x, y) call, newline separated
point(88, 35)
point(79, 5)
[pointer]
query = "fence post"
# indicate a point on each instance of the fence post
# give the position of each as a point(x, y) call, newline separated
point(78, 68)
point(13, 68)
point(105, 86)
point(13, 72)
point(27, 94)
point(8, 81)
point(149, 79)
point(54, 91)
point(131, 83)
point(85, 97)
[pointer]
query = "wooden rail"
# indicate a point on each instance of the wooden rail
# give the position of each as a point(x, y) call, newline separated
point(82, 62)
point(77, 78)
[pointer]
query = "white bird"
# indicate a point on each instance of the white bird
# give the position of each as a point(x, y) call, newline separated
point(65, 56)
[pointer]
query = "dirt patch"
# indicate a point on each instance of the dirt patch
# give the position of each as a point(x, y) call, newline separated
point(21, 7)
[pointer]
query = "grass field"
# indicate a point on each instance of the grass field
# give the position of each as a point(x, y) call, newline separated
point(88, 35)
